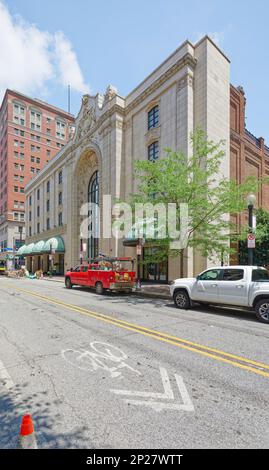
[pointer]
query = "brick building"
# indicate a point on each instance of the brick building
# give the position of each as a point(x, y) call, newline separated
point(31, 133)
point(249, 156)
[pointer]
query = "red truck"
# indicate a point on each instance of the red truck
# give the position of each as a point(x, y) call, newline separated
point(113, 274)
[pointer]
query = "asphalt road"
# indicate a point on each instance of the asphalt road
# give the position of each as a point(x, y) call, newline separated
point(126, 372)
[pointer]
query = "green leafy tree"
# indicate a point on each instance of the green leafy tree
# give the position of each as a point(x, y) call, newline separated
point(195, 181)
point(261, 252)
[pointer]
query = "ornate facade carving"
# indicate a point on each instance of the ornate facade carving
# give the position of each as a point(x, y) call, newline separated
point(86, 119)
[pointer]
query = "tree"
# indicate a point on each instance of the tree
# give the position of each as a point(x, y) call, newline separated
point(194, 181)
point(261, 252)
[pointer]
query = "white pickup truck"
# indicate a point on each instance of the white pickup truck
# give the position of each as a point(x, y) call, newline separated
point(238, 286)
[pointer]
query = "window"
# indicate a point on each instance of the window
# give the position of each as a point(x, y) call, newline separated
point(153, 117)
point(233, 274)
point(48, 186)
point(38, 227)
point(15, 215)
point(60, 130)
point(30, 216)
point(260, 275)
point(153, 151)
point(30, 231)
point(60, 198)
point(212, 275)
point(37, 160)
point(32, 169)
point(22, 190)
point(60, 219)
point(48, 205)
point(16, 189)
point(33, 159)
point(35, 120)
point(48, 224)
point(38, 194)
point(16, 204)
point(38, 211)
point(30, 200)
point(60, 177)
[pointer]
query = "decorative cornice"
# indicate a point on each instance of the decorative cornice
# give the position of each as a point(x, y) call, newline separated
point(152, 135)
point(187, 60)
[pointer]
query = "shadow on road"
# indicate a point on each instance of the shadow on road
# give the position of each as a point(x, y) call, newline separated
point(137, 301)
point(15, 403)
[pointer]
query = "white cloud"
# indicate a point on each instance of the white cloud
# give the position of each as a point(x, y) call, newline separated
point(68, 67)
point(30, 58)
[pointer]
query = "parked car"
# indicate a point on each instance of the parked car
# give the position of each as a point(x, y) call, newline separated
point(112, 274)
point(238, 286)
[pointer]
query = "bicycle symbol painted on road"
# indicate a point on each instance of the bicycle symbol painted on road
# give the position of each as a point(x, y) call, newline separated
point(102, 356)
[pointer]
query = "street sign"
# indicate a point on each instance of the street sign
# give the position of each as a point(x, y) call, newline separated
point(251, 241)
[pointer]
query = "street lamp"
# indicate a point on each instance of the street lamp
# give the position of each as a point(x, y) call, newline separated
point(251, 199)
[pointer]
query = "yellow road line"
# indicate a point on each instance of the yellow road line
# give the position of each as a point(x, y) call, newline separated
point(179, 342)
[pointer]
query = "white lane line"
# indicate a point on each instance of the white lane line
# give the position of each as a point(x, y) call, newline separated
point(5, 377)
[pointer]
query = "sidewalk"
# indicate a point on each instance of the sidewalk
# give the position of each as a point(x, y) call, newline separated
point(155, 291)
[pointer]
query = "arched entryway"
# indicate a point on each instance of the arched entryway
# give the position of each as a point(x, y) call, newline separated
point(94, 201)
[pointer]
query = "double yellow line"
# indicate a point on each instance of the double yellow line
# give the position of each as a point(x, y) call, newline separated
point(237, 361)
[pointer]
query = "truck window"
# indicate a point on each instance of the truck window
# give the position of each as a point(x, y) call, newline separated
point(212, 275)
point(233, 274)
point(259, 275)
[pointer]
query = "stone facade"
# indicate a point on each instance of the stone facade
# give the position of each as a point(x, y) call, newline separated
point(190, 89)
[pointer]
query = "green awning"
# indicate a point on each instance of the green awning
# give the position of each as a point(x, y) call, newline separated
point(39, 247)
point(21, 250)
point(28, 250)
point(54, 244)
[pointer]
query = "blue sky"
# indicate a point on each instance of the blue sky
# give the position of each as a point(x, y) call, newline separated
point(121, 41)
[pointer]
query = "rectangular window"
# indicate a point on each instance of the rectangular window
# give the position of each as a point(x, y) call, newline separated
point(60, 198)
point(60, 177)
point(48, 205)
point(48, 224)
point(60, 219)
point(38, 211)
point(153, 117)
point(38, 194)
point(153, 151)
point(48, 186)
point(38, 227)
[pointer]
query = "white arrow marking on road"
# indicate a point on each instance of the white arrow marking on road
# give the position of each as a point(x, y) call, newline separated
point(167, 395)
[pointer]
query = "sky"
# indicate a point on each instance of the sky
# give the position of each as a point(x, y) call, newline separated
point(46, 45)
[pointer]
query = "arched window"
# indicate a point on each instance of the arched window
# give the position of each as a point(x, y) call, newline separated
point(93, 197)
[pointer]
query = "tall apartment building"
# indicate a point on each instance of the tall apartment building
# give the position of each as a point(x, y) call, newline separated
point(31, 133)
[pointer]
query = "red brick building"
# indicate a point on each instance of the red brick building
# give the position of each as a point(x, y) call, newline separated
point(31, 133)
point(249, 156)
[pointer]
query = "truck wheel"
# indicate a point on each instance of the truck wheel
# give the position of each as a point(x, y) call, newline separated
point(99, 288)
point(182, 300)
point(262, 310)
point(68, 283)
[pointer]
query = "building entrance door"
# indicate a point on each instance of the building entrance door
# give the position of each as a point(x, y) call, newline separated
point(154, 272)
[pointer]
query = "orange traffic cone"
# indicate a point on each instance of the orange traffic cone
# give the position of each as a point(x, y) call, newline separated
point(27, 438)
